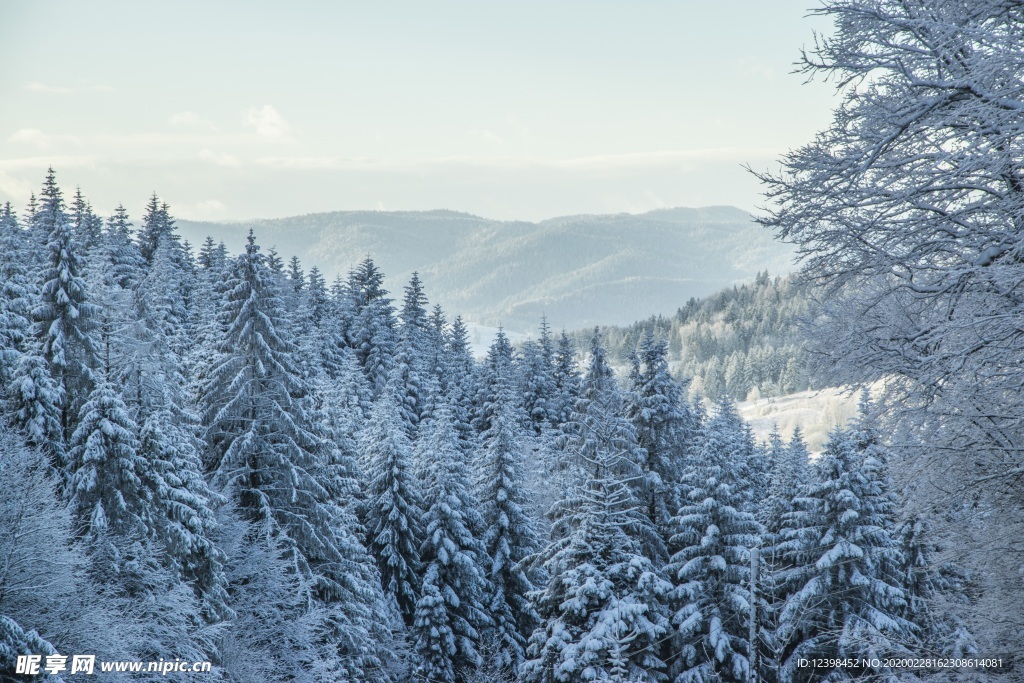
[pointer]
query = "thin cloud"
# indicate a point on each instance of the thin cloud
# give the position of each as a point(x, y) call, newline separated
point(266, 121)
point(600, 162)
point(42, 88)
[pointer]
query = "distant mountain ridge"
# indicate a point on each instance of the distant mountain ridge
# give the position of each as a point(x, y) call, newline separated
point(577, 270)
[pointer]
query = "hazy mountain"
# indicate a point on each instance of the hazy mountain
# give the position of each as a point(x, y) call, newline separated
point(578, 270)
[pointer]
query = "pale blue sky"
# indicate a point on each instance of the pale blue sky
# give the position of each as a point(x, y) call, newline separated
point(521, 110)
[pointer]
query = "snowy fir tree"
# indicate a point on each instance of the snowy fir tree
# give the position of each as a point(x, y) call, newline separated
point(63, 314)
point(510, 537)
point(393, 510)
point(603, 607)
point(264, 450)
point(665, 427)
point(843, 595)
point(451, 611)
point(710, 571)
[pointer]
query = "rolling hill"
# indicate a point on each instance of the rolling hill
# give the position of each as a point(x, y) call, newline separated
point(577, 270)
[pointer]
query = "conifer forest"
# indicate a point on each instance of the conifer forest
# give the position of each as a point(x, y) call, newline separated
point(216, 456)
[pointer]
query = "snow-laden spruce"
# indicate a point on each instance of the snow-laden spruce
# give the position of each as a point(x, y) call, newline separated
point(710, 571)
point(844, 596)
point(393, 511)
point(452, 610)
point(509, 536)
point(602, 609)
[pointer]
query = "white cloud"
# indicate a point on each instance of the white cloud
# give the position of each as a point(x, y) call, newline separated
point(37, 87)
point(31, 136)
point(37, 138)
point(192, 119)
point(220, 159)
point(266, 121)
point(17, 189)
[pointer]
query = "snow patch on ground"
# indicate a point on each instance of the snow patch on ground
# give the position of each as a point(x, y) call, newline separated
point(817, 413)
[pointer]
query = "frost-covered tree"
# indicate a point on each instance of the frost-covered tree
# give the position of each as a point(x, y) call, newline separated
point(63, 315)
point(790, 473)
point(908, 208)
point(538, 380)
point(710, 571)
point(107, 473)
point(43, 583)
point(452, 609)
point(665, 427)
point(262, 447)
point(509, 537)
point(371, 330)
point(602, 609)
point(844, 596)
point(567, 379)
point(393, 511)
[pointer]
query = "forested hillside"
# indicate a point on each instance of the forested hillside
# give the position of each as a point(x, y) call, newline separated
point(579, 271)
point(219, 457)
point(746, 341)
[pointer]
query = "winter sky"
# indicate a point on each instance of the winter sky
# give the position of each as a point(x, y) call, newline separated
point(521, 110)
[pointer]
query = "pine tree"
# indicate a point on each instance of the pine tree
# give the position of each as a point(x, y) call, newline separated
point(665, 427)
point(567, 379)
point(372, 329)
point(123, 252)
point(714, 533)
point(451, 611)
point(410, 362)
point(107, 473)
point(538, 381)
point(393, 511)
point(843, 596)
point(16, 294)
point(509, 538)
point(261, 444)
point(157, 225)
point(602, 609)
point(934, 592)
point(498, 363)
point(63, 315)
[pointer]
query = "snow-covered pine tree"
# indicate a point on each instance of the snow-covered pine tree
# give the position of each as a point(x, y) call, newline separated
point(452, 609)
point(936, 593)
point(393, 511)
point(63, 315)
point(122, 250)
point(262, 447)
point(567, 379)
point(843, 596)
point(107, 474)
point(510, 537)
point(537, 379)
point(156, 225)
point(499, 362)
point(665, 427)
point(602, 609)
point(457, 382)
point(16, 294)
point(412, 356)
point(371, 330)
point(714, 533)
